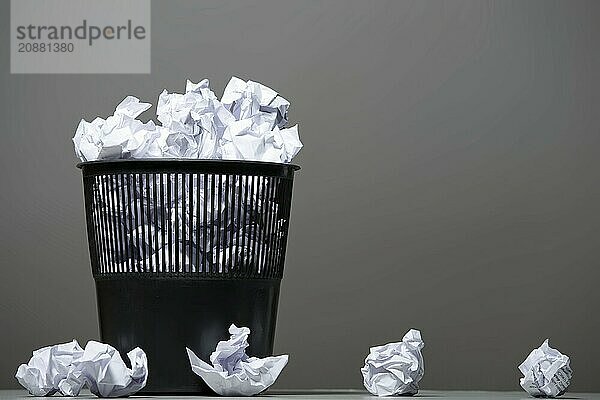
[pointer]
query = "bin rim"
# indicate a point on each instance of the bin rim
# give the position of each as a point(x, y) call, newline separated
point(177, 165)
point(180, 162)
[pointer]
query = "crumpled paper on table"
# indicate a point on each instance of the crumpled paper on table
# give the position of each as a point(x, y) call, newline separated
point(67, 368)
point(47, 367)
point(232, 372)
point(546, 371)
point(395, 368)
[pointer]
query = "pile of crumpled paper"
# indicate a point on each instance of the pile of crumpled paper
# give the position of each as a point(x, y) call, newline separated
point(248, 123)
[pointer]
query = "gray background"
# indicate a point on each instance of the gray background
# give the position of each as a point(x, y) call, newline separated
point(449, 183)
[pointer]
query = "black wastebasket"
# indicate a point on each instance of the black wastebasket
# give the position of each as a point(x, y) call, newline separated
point(180, 249)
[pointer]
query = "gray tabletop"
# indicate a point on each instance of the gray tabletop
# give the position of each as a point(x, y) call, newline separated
point(339, 394)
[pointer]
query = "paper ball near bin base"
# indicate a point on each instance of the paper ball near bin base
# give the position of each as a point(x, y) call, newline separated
point(47, 367)
point(233, 372)
point(395, 368)
point(66, 368)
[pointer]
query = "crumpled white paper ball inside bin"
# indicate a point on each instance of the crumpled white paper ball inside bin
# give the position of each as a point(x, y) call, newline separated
point(395, 368)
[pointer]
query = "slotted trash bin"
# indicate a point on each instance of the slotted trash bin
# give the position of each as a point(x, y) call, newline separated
point(179, 250)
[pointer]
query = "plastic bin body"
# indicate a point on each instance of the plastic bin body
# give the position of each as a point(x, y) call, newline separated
point(165, 278)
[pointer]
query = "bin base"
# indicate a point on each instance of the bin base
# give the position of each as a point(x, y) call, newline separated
point(164, 315)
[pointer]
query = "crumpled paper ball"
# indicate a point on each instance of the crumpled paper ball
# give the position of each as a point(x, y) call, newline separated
point(67, 368)
point(119, 136)
point(253, 139)
point(194, 122)
point(247, 99)
point(233, 372)
point(47, 367)
point(395, 368)
point(547, 372)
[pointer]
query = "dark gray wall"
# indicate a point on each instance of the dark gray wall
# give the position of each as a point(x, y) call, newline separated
point(450, 180)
